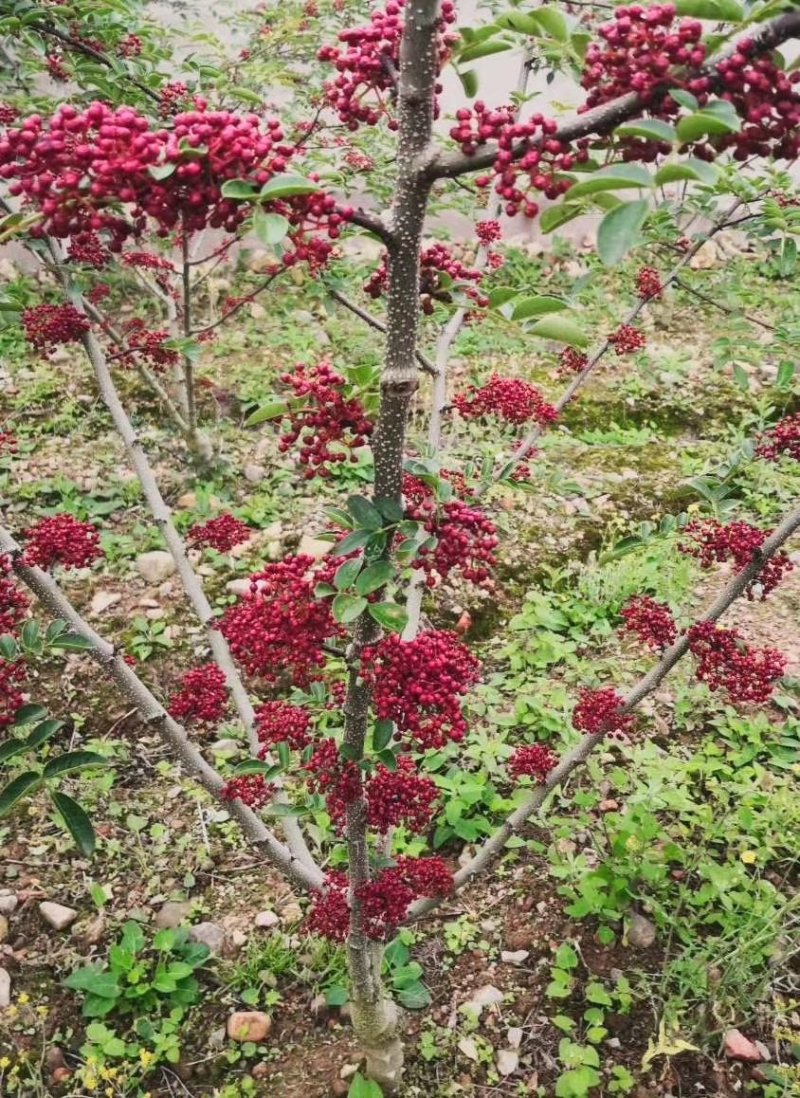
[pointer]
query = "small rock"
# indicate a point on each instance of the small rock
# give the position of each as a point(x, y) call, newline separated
point(507, 1061)
point(238, 586)
point(104, 600)
point(8, 902)
point(172, 914)
point(260, 1071)
point(3, 928)
point(237, 941)
point(314, 547)
point(156, 566)
point(641, 932)
point(292, 913)
point(488, 995)
point(208, 934)
point(188, 501)
point(57, 915)
point(515, 957)
point(249, 1025)
point(514, 1037)
point(469, 1048)
point(254, 473)
point(61, 1075)
point(5, 989)
point(609, 805)
point(766, 1055)
point(348, 1071)
point(256, 310)
point(614, 1042)
point(54, 1058)
point(739, 1047)
point(225, 747)
point(93, 934)
point(266, 920)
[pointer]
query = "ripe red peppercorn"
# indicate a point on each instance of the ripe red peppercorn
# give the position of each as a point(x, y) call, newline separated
point(648, 283)
point(202, 698)
point(651, 621)
point(627, 339)
point(599, 711)
point(534, 761)
point(47, 326)
point(782, 441)
point(14, 602)
point(740, 542)
point(62, 540)
point(220, 533)
point(279, 722)
point(251, 789)
point(507, 398)
point(725, 662)
point(400, 796)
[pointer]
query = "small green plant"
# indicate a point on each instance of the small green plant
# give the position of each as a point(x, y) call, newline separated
point(148, 638)
point(139, 979)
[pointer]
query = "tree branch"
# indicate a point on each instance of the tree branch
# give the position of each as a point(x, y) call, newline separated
point(493, 847)
point(379, 326)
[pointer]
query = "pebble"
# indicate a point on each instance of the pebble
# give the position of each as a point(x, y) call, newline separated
point(254, 473)
point(488, 995)
point(172, 914)
point(507, 1061)
point(515, 957)
point(249, 1025)
point(265, 920)
point(57, 915)
point(3, 928)
point(739, 1047)
point(94, 932)
point(238, 586)
point(292, 913)
point(641, 932)
point(8, 902)
point(156, 566)
point(104, 600)
point(314, 547)
point(514, 1037)
point(5, 989)
point(225, 747)
point(208, 934)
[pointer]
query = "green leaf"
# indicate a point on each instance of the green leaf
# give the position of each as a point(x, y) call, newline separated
point(566, 957)
point(346, 573)
point(239, 189)
point(73, 760)
point(375, 576)
point(11, 748)
point(286, 186)
point(365, 513)
point(651, 128)
point(556, 216)
point(28, 714)
point(336, 996)
point(364, 1088)
point(620, 230)
point(389, 615)
point(552, 23)
point(347, 608)
point(16, 790)
point(561, 329)
point(469, 82)
point(162, 171)
point(483, 49)
point(741, 377)
point(270, 228)
point(357, 540)
point(43, 732)
point(785, 375)
point(391, 509)
point(253, 766)
point(72, 642)
point(684, 99)
point(730, 11)
point(273, 410)
point(382, 735)
point(613, 178)
point(690, 169)
point(703, 123)
point(78, 823)
point(501, 296)
point(414, 997)
point(9, 649)
point(94, 980)
point(538, 306)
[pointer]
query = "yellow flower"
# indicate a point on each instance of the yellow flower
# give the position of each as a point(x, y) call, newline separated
point(23, 999)
point(749, 857)
point(11, 1012)
point(109, 1092)
point(4, 1063)
point(146, 1057)
point(43, 1011)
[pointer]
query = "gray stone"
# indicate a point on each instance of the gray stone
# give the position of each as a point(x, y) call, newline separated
point(156, 566)
point(254, 473)
point(238, 586)
point(104, 600)
point(57, 915)
point(5, 989)
point(507, 1061)
point(266, 920)
point(249, 1025)
point(517, 957)
point(314, 547)
point(8, 902)
point(641, 932)
point(292, 913)
point(3, 928)
point(208, 934)
point(172, 914)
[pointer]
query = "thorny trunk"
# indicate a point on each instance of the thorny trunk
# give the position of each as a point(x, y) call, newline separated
point(375, 1017)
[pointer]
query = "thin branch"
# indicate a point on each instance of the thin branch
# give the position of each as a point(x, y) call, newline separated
point(153, 714)
point(723, 308)
point(188, 366)
point(379, 326)
point(493, 847)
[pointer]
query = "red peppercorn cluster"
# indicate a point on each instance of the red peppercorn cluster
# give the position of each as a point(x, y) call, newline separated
point(251, 789)
point(87, 248)
point(539, 167)
point(47, 326)
point(644, 53)
point(8, 443)
point(11, 697)
point(325, 417)
point(740, 542)
point(648, 283)
point(149, 345)
point(534, 761)
point(418, 684)
point(571, 361)
point(627, 339)
point(220, 533)
point(401, 796)
point(488, 232)
point(436, 260)
point(465, 538)
point(330, 910)
point(725, 662)
point(147, 261)
point(203, 696)
point(337, 779)
point(279, 722)
point(173, 97)
point(8, 114)
point(782, 440)
point(62, 540)
point(13, 601)
point(507, 398)
point(598, 711)
point(130, 46)
point(766, 98)
point(98, 293)
point(651, 621)
point(278, 629)
point(368, 62)
point(56, 69)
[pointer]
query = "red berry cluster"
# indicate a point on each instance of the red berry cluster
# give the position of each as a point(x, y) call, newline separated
point(149, 345)
point(725, 662)
point(400, 796)
point(651, 621)
point(173, 97)
point(325, 417)
point(765, 97)
point(740, 542)
point(571, 361)
point(418, 684)
point(507, 398)
point(220, 533)
point(98, 293)
point(539, 167)
point(87, 249)
point(642, 52)
point(783, 439)
point(599, 711)
point(648, 283)
point(338, 779)
point(147, 261)
point(627, 339)
point(8, 443)
point(11, 697)
point(365, 87)
point(13, 601)
point(63, 540)
point(251, 789)
point(46, 326)
point(435, 261)
point(8, 114)
point(278, 629)
point(465, 538)
point(488, 232)
point(56, 69)
point(534, 761)
point(130, 46)
point(384, 901)
point(203, 696)
point(279, 722)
